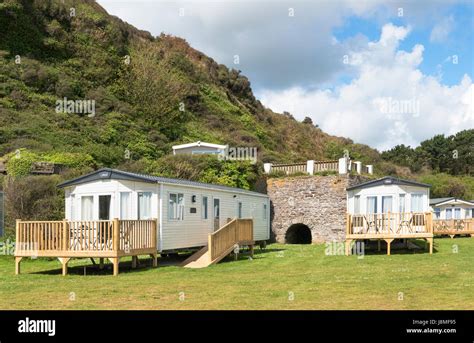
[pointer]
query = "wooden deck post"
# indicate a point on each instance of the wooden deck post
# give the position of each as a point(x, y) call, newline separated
point(251, 250)
point(101, 263)
point(348, 224)
point(17, 235)
point(348, 246)
point(65, 235)
point(116, 229)
point(64, 261)
point(430, 242)
point(209, 245)
point(17, 264)
point(378, 245)
point(154, 259)
point(154, 233)
point(134, 262)
point(115, 261)
point(389, 243)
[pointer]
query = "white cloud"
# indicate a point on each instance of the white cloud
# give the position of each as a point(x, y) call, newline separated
point(273, 48)
point(441, 31)
point(389, 102)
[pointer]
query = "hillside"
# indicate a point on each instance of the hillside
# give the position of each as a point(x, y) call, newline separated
point(148, 93)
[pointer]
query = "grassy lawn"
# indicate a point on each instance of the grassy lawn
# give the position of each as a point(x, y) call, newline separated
point(281, 277)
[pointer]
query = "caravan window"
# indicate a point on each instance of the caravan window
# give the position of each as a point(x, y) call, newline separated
point(204, 207)
point(144, 205)
point(387, 203)
point(371, 204)
point(468, 213)
point(176, 206)
point(449, 213)
point(357, 204)
point(87, 207)
point(457, 213)
point(437, 212)
point(417, 203)
point(125, 209)
point(401, 203)
point(239, 209)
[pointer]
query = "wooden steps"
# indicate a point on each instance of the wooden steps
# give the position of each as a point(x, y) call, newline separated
point(234, 234)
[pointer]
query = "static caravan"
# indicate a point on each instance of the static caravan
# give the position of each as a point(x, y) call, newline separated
point(452, 208)
point(388, 209)
point(186, 211)
point(388, 194)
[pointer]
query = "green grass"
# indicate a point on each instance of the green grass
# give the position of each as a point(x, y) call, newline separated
point(281, 277)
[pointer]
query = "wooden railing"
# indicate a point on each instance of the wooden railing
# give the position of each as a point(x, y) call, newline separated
point(137, 234)
point(453, 226)
point(237, 231)
point(389, 224)
point(85, 238)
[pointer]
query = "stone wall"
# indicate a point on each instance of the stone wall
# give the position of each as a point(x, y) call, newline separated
point(319, 202)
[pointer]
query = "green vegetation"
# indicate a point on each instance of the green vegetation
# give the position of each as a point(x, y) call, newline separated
point(452, 155)
point(404, 280)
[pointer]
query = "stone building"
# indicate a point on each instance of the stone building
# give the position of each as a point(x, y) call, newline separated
point(309, 209)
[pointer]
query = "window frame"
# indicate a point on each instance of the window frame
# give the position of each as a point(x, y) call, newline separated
point(205, 210)
point(179, 207)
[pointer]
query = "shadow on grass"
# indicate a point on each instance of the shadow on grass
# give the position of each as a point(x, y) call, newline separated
point(143, 265)
point(398, 248)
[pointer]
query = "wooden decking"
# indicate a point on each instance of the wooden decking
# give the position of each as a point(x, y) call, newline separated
point(91, 239)
point(229, 238)
point(388, 227)
point(453, 227)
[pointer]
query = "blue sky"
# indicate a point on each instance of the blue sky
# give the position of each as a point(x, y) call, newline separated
point(357, 68)
point(459, 41)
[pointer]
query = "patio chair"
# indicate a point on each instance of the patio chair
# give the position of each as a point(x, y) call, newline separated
point(405, 224)
point(371, 224)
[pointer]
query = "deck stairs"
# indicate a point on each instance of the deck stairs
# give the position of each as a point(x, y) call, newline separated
point(235, 234)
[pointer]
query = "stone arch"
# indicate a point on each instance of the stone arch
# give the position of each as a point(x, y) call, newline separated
point(298, 234)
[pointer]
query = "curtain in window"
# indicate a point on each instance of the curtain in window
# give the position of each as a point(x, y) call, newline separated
point(125, 209)
point(457, 213)
point(468, 213)
point(87, 208)
point(371, 204)
point(401, 203)
point(357, 204)
point(144, 205)
point(180, 206)
point(417, 203)
point(387, 204)
point(173, 206)
point(449, 213)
